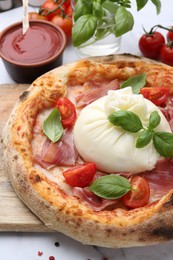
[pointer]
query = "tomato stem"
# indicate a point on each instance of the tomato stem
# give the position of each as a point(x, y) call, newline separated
point(41, 10)
point(150, 33)
point(165, 28)
point(170, 44)
point(160, 26)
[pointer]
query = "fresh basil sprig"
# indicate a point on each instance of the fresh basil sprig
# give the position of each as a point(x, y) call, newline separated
point(110, 186)
point(163, 143)
point(154, 120)
point(129, 121)
point(112, 16)
point(136, 82)
point(52, 126)
point(144, 138)
point(141, 4)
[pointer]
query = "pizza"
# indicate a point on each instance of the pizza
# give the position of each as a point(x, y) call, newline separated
point(90, 152)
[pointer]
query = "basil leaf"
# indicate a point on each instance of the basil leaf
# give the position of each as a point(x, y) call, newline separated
point(128, 120)
point(83, 29)
point(141, 4)
point(111, 7)
point(123, 21)
point(110, 186)
point(144, 138)
point(154, 120)
point(82, 7)
point(97, 9)
point(157, 3)
point(101, 33)
point(136, 82)
point(52, 126)
point(163, 143)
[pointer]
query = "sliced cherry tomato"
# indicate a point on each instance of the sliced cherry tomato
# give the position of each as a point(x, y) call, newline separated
point(157, 95)
point(166, 54)
point(64, 23)
point(151, 44)
point(50, 8)
point(67, 111)
point(81, 175)
point(35, 16)
point(138, 197)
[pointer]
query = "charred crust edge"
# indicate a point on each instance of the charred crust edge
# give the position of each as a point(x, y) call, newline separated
point(165, 232)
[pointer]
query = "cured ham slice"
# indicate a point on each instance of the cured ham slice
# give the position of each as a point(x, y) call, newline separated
point(160, 178)
point(62, 152)
point(168, 111)
point(96, 90)
point(92, 200)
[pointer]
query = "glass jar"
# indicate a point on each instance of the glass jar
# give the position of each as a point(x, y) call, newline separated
point(107, 43)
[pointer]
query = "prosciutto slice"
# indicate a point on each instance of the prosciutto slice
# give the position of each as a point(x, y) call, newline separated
point(96, 90)
point(62, 152)
point(161, 177)
point(92, 200)
point(168, 111)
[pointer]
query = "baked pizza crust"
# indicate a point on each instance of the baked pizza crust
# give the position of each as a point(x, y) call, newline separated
point(117, 228)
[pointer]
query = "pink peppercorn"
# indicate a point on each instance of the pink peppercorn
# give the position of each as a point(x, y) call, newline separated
point(51, 258)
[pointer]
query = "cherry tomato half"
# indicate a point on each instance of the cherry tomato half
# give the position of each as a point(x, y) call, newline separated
point(50, 9)
point(150, 45)
point(140, 196)
point(67, 111)
point(166, 55)
point(64, 23)
point(81, 175)
point(157, 95)
point(36, 16)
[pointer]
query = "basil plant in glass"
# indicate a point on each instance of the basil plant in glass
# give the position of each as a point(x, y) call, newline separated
point(99, 24)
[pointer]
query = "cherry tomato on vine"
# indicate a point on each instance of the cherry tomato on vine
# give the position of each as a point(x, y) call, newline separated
point(65, 24)
point(138, 197)
point(157, 95)
point(67, 111)
point(69, 12)
point(50, 9)
point(170, 35)
point(66, 3)
point(166, 54)
point(150, 44)
point(36, 16)
point(81, 175)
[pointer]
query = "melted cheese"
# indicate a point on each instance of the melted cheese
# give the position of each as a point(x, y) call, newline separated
point(110, 147)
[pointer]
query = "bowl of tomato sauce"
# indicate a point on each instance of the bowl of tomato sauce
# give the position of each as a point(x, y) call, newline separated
point(29, 55)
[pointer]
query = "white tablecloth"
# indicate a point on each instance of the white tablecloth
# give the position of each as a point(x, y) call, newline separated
point(25, 246)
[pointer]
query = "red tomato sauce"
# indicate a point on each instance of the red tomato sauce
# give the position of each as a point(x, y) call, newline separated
point(39, 43)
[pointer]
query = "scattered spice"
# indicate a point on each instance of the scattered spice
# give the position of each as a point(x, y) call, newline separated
point(40, 253)
point(57, 244)
point(51, 258)
point(105, 258)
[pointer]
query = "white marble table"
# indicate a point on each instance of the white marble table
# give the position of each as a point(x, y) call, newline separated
point(25, 246)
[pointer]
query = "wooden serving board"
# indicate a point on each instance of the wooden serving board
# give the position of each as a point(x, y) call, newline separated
point(14, 215)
